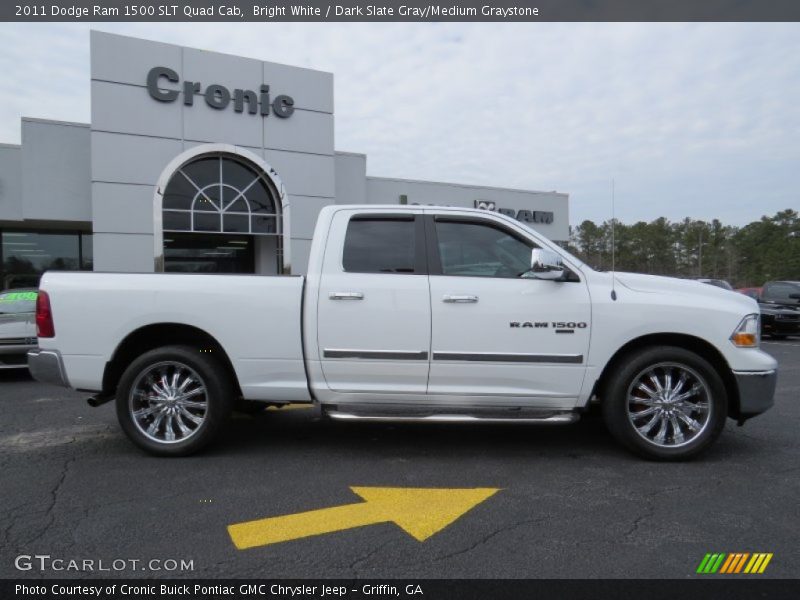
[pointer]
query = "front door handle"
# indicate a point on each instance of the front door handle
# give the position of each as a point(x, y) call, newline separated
point(346, 296)
point(459, 299)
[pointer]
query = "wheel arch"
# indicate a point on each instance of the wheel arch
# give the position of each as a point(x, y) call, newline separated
point(159, 335)
point(688, 342)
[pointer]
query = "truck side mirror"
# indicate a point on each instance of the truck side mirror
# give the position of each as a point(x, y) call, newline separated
point(794, 296)
point(546, 264)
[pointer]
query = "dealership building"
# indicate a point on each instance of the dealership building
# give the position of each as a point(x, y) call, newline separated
point(196, 161)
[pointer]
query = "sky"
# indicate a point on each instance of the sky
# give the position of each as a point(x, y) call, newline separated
point(689, 120)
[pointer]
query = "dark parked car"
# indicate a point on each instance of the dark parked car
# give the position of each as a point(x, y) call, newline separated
point(778, 321)
point(782, 293)
point(17, 327)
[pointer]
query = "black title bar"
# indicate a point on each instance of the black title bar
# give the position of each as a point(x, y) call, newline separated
point(407, 10)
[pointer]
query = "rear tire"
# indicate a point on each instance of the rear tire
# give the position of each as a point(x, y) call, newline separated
point(172, 401)
point(665, 403)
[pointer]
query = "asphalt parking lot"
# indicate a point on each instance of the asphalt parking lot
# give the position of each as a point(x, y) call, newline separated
point(571, 502)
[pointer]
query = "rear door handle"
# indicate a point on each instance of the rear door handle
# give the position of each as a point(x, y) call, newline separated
point(459, 299)
point(346, 296)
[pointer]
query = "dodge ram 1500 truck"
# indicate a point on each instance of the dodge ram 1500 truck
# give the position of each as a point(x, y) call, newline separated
point(411, 313)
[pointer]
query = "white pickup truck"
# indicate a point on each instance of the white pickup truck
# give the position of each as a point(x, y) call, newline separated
point(411, 313)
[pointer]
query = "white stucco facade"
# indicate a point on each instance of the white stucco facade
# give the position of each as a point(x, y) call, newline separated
point(155, 107)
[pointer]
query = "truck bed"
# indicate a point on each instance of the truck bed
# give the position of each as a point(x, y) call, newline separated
point(256, 319)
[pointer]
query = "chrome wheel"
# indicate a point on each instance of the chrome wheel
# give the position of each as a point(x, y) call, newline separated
point(669, 404)
point(168, 402)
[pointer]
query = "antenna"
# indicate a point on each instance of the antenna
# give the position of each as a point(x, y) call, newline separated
point(613, 246)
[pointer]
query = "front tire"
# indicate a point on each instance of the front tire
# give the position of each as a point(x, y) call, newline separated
point(665, 403)
point(172, 401)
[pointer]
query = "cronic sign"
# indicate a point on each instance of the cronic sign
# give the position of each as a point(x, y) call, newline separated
point(164, 85)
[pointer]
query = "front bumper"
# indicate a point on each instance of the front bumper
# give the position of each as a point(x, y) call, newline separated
point(780, 327)
point(756, 391)
point(48, 367)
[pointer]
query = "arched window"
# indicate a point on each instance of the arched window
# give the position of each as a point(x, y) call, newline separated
point(220, 193)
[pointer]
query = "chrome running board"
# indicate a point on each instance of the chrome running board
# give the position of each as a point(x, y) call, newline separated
point(561, 418)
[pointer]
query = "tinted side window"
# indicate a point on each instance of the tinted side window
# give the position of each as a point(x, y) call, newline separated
point(477, 250)
point(379, 246)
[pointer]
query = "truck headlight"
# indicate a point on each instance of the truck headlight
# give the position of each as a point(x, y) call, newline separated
point(746, 334)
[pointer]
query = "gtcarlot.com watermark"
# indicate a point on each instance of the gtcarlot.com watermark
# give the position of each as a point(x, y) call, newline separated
point(47, 563)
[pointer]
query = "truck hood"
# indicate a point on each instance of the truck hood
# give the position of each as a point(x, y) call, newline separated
point(671, 286)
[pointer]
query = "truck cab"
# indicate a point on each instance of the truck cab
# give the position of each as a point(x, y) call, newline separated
point(445, 306)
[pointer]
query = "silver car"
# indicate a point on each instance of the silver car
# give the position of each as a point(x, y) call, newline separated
point(17, 327)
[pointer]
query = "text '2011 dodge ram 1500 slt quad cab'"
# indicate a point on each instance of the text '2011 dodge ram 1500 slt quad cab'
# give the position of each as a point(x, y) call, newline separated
point(411, 313)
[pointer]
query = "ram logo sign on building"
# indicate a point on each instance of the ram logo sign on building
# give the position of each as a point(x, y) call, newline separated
point(526, 216)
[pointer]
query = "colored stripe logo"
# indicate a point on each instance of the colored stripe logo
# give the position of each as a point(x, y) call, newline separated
point(734, 562)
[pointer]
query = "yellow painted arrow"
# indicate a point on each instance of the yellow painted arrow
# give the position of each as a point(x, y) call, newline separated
point(421, 512)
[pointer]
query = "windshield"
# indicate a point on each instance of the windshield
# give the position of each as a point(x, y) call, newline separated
point(18, 301)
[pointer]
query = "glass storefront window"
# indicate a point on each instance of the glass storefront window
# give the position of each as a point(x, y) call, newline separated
point(198, 253)
point(87, 252)
point(27, 255)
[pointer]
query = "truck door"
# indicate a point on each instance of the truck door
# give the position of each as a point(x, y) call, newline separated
point(374, 316)
point(494, 332)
